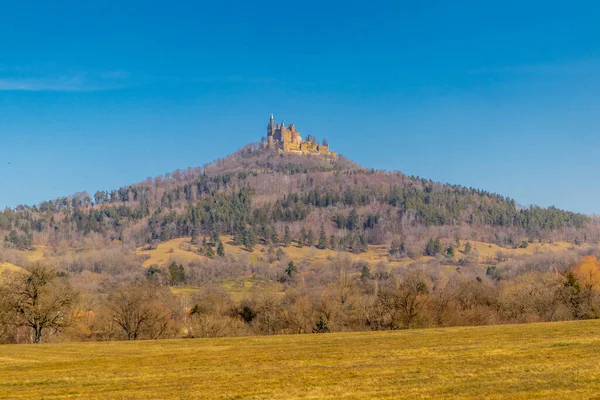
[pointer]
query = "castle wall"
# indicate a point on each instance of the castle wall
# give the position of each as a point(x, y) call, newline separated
point(289, 140)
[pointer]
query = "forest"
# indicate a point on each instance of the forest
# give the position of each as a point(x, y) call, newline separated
point(257, 190)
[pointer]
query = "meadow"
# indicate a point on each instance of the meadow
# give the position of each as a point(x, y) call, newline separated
point(546, 360)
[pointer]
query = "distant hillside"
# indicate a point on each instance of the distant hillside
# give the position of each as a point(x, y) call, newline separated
point(257, 195)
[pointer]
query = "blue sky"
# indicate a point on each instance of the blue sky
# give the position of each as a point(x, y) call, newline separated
point(503, 96)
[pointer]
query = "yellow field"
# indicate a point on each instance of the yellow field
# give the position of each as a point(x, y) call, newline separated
point(551, 360)
point(9, 267)
point(177, 250)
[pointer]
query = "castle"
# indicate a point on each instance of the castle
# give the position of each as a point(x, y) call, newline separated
point(288, 139)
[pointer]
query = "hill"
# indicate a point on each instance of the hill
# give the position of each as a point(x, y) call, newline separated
point(269, 242)
point(529, 361)
point(261, 191)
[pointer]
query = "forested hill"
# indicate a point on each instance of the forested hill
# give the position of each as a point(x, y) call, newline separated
point(257, 194)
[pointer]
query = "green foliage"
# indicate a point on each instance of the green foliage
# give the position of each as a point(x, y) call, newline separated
point(291, 269)
point(176, 274)
point(321, 326)
point(333, 242)
point(249, 240)
point(365, 273)
point(274, 236)
point(433, 247)
point(303, 237)
point(220, 249)
point(287, 238)
point(19, 241)
point(322, 239)
point(468, 248)
point(153, 273)
point(310, 238)
point(208, 251)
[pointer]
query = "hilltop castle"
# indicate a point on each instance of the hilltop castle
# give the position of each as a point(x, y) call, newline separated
point(288, 139)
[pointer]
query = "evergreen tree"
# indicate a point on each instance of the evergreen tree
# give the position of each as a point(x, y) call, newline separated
point(437, 245)
point(193, 235)
point(274, 236)
point(266, 235)
point(430, 248)
point(220, 249)
point(291, 269)
point(322, 239)
point(364, 244)
point(239, 235)
point(302, 239)
point(333, 242)
point(209, 252)
point(250, 239)
point(321, 326)
point(355, 244)
point(365, 273)
point(310, 238)
point(468, 248)
point(176, 274)
point(287, 236)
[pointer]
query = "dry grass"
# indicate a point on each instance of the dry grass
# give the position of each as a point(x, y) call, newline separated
point(175, 250)
point(6, 266)
point(551, 360)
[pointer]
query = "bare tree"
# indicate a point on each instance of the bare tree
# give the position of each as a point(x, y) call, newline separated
point(38, 300)
point(401, 304)
point(139, 311)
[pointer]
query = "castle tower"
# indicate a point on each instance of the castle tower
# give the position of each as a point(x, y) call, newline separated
point(271, 127)
point(270, 133)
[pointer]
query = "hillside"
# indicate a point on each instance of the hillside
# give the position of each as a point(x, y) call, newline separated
point(263, 192)
point(266, 242)
point(556, 360)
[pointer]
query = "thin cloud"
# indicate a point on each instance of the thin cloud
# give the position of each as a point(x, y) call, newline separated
point(71, 83)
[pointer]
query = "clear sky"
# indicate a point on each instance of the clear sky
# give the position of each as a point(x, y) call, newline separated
point(503, 96)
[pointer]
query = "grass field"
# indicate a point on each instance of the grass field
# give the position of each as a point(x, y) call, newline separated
point(174, 250)
point(551, 360)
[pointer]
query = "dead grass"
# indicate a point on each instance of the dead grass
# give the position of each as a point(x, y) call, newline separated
point(176, 250)
point(551, 360)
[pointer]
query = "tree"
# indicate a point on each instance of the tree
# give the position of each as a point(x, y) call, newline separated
point(303, 237)
point(214, 237)
point(287, 236)
point(176, 274)
point(139, 311)
point(468, 248)
point(321, 326)
point(433, 247)
point(322, 239)
point(291, 269)
point(40, 301)
point(208, 251)
point(333, 243)
point(310, 238)
point(437, 245)
point(220, 249)
point(249, 239)
point(450, 251)
point(365, 273)
point(274, 236)
point(399, 306)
